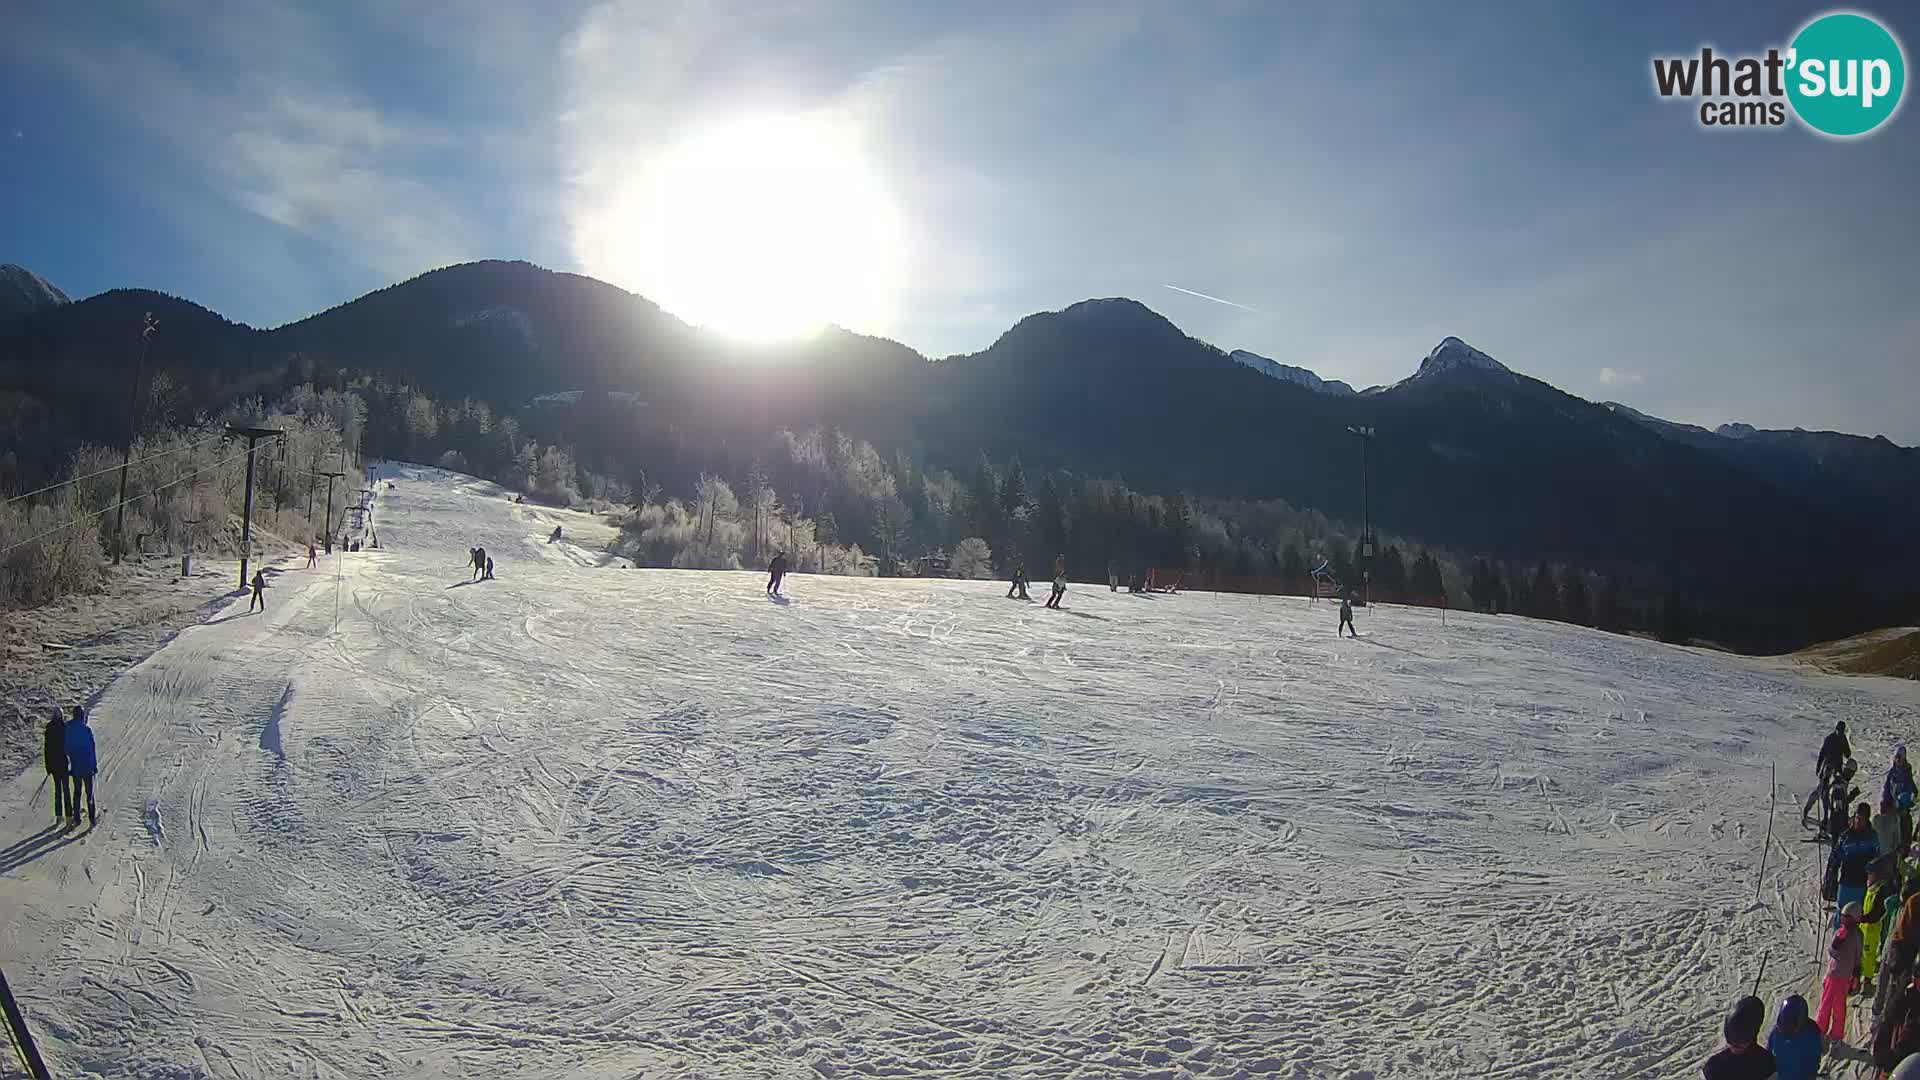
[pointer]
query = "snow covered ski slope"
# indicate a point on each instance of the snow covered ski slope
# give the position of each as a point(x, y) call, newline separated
point(585, 820)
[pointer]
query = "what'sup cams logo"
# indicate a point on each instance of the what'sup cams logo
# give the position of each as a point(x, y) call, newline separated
point(1843, 76)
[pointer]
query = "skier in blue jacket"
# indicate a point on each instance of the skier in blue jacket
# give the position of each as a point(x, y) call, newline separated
point(1854, 853)
point(81, 765)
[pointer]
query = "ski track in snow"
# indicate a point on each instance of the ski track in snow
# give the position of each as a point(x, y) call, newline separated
point(600, 822)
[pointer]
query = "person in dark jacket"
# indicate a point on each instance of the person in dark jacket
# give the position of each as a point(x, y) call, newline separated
point(776, 569)
point(1854, 853)
point(56, 755)
point(1743, 1058)
point(1346, 618)
point(1834, 753)
point(1018, 589)
point(1899, 787)
point(1897, 1036)
point(1833, 750)
point(81, 765)
point(259, 591)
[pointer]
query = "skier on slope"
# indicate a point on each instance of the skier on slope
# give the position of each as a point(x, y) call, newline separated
point(1833, 749)
point(81, 764)
point(313, 557)
point(1018, 589)
point(1854, 853)
point(555, 537)
point(259, 591)
point(1113, 576)
point(479, 556)
point(776, 570)
point(1346, 618)
point(1059, 582)
point(1833, 756)
point(56, 762)
point(487, 574)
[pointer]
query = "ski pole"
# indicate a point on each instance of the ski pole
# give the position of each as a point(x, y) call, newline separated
point(1764, 957)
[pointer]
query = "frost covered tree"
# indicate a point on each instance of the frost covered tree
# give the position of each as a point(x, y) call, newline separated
point(972, 558)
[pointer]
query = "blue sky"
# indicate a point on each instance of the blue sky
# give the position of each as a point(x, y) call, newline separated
point(1367, 177)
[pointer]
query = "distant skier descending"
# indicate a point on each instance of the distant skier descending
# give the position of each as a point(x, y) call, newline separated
point(1059, 582)
point(776, 572)
point(554, 537)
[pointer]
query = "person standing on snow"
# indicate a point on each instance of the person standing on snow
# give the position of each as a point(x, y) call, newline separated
point(1113, 576)
point(313, 557)
point(1843, 974)
point(81, 765)
point(776, 570)
point(1833, 749)
point(56, 761)
point(1886, 826)
point(487, 573)
point(1059, 582)
point(1897, 1036)
point(1743, 1058)
point(259, 591)
point(1899, 787)
point(1834, 754)
point(1018, 588)
point(1346, 618)
point(1882, 895)
point(1854, 853)
point(1795, 1044)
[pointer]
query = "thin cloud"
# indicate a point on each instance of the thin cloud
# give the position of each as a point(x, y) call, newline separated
point(1616, 377)
point(1215, 299)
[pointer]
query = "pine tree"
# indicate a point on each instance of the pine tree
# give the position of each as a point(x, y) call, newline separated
point(1391, 573)
point(1426, 581)
point(983, 509)
point(1579, 607)
point(1293, 565)
point(1049, 518)
point(1543, 595)
point(1676, 622)
point(1611, 613)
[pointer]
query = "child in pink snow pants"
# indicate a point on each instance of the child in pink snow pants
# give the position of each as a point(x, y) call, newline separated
point(1843, 967)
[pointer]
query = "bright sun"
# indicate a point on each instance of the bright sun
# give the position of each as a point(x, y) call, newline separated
point(763, 229)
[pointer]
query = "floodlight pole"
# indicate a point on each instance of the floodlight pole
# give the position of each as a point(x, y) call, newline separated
point(1365, 435)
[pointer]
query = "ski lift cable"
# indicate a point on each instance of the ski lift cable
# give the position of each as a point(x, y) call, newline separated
point(109, 508)
point(10, 500)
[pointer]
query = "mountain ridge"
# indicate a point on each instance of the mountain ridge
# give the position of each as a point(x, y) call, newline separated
point(1469, 452)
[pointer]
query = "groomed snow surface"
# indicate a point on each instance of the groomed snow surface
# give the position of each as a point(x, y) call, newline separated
point(592, 821)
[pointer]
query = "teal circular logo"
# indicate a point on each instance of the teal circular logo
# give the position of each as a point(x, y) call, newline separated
point(1846, 74)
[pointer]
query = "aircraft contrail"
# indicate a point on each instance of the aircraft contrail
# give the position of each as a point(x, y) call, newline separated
point(1215, 299)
